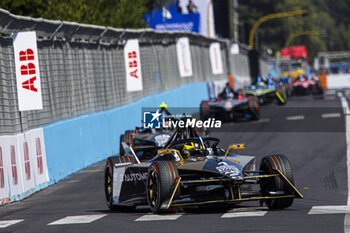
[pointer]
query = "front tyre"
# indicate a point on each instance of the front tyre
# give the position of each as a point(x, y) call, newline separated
point(160, 184)
point(275, 184)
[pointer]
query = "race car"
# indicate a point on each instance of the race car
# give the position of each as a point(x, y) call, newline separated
point(230, 108)
point(230, 105)
point(267, 93)
point(306, 86)
point(194, 171)
point(145, 142)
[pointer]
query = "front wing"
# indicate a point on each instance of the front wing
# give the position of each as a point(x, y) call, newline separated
point(235, 189)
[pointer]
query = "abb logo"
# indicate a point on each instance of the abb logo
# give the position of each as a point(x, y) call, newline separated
point(132, 56)
point(39, 156)
point(14, 165)
point(28, 69)
point(2, 175)
point(26, 160)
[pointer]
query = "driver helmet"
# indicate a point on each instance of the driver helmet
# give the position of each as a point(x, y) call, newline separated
point(186, 149)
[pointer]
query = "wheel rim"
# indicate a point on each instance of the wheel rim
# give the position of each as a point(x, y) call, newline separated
point(153, 191)
point(108, 186)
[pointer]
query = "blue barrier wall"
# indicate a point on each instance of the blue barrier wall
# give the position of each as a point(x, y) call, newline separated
point(76, 143)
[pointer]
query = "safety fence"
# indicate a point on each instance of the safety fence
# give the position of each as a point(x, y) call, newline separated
point(84, 75)
point(82, 68)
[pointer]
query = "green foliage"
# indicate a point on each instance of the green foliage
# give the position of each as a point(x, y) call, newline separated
point(330, 17)
point(113, 13)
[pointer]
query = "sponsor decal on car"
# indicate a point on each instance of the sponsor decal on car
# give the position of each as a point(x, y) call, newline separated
point(161, 139)
point(228, 170)
point(135, 176)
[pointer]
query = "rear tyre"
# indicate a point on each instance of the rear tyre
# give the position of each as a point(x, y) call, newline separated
point(160, 184)
point(281, 96)
point(129, 137)
point(254, 108)
point(108, 182)
point(275, 184)
point(204, 110)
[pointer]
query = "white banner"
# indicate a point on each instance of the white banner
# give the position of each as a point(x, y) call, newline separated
point(27, 71)
point(37, 155)
point(4, 165)
point(26, 163)
point(335, 81)
point(184, 57)
point(132, 66)
point(215, 58)
point(14, 170)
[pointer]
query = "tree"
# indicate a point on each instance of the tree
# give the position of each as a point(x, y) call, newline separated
point(113, 13)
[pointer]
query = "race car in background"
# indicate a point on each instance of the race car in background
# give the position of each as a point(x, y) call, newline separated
point(194, 171)
point(230, 107)
point(145, 142)
point(306, 86)
point(267, 93)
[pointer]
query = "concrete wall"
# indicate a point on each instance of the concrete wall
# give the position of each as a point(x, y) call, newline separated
point(74, 144)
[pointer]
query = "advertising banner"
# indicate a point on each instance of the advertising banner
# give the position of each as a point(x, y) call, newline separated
point(14, 171)
point(184, 57)
point(215, 58)
point(4, 165)
point(132, 66)
point(26, 163)
point(205, 9)
point(37, 155)
point(27, 71)
point(173, 20)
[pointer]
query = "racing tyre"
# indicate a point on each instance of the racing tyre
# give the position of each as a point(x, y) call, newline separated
point(275, 184)
point(281, 96)
point(160, 184)
point(317, 89)
point(129, 137)
point(108, 181)
point(254, 108)
point(204, 110)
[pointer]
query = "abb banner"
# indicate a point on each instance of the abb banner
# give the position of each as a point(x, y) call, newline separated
point(215, 58)
point(184, 57)
point(132, 66)
point(12, 166)
point(22, 163)
point(27, 71)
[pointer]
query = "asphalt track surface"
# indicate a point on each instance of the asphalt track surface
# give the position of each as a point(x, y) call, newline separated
point(314, 142)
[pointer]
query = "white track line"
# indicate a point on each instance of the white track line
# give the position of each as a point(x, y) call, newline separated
point(7, 223)
point(341, 209)
point(156, 217)
point(330, 92)
point(331, 115)
point(244, 214)
point(78, 219)
point(262, 120)
point(346, 110)
point(295, 118)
